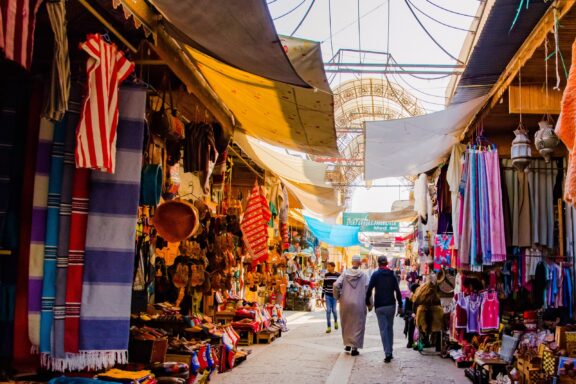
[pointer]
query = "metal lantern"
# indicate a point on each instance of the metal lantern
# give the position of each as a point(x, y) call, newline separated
point(546, 140)
point(521, 149)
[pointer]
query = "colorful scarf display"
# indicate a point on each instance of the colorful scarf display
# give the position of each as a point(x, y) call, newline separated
point(40, 202)
point(110, 242)
point(481, 227)
point(51, 244)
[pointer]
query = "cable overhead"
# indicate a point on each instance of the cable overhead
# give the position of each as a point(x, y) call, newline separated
point(451, 11)
point(303, 18)
point(330, 25)
point(430, 35)
point(361, 17)
point(290, 11)
point(436, 20)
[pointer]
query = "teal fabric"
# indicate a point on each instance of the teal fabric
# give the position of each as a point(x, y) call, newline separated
point(333, 234)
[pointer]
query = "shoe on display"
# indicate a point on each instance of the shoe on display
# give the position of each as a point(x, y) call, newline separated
point(354, 352)
point(328, 330)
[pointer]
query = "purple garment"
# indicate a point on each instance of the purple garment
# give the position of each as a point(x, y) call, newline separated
point(474, 302)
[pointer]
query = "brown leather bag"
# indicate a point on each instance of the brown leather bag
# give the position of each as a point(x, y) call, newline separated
point(198, 275)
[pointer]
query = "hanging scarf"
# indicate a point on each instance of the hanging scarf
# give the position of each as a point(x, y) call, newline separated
point(38, 224)
point(255, 225)
point(110, 242)
point(51, 243)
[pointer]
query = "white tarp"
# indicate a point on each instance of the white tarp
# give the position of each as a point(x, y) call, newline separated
point(321, 202)
point(282, 164)
point(413, 145)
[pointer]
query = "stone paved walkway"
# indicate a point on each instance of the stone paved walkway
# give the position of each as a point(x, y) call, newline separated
point(306, 354)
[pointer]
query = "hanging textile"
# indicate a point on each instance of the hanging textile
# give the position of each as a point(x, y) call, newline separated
point(481, 221)
point(255, 225)
point(444, 202)
point(17, 24)
point(200, 152)
point(110, 243)
point(38, 224)
point(542, 179)
point(443, 248)
point(333, 234)
point(421, 196)
point(453, 177)
point(58, 352)
point(51, 243)
point(566, 129)
point(59, 88)
point(107, 68)
point(76, 250)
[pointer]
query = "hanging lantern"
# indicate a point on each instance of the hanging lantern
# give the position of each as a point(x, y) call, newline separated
point(546, 140)
point(521, 149)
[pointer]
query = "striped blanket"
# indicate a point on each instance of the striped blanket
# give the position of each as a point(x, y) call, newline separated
point(36, 268)
point(110, 242)
point(51, 243)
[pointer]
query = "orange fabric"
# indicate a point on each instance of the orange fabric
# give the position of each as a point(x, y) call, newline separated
point(566, 130)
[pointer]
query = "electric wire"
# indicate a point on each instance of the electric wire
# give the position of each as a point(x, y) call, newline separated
point(430, 35)
point(290, 11)
point(436, 20)
point(303, 18)
point(359, 34)
point(271, 2)
point(449, 10)
point(330, 26)
point(355, 21)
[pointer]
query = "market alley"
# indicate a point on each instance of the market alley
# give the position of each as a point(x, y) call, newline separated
point(306, 354)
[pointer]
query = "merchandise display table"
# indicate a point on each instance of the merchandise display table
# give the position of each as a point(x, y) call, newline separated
point(488, 365)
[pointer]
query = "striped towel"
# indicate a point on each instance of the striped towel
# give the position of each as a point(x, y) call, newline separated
point(58, 352)
point(78, 223)
point(51, 244)
point(110, 242)
point(36, 268)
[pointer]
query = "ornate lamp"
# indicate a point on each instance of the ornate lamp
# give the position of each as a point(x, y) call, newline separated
point(521, 149)
point(545, 139)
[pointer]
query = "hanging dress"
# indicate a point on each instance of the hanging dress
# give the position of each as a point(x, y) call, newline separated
point(490, 311)
point(473, 313)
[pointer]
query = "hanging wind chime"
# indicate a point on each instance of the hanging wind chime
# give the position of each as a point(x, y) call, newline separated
point(545, 139)
point(521, 151)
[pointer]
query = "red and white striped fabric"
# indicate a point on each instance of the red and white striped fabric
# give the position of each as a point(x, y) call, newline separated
point(17, 23)
point(255, 225)
point(107, 68)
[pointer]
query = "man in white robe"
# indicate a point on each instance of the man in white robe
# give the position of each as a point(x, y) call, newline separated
point(350, 291)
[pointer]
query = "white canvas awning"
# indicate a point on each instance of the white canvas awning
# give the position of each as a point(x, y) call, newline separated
point(413, 145)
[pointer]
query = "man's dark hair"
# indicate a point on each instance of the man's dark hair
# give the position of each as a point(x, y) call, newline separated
point(331, 263)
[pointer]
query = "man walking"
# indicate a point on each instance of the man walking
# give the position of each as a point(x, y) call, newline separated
point(388, 296)
point(350, 291)
point(328, 294)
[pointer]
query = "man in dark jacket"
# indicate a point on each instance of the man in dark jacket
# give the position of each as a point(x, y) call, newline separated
point(388, 297)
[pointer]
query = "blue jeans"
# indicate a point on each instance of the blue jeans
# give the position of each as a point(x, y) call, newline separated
point(385, 317)
point(330, 309)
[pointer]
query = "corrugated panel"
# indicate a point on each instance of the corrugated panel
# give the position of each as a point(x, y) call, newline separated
point(496, 46)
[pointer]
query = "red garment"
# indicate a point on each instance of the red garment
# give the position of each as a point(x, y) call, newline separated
point(78, 226)
point(490, 311)
point(17, 24)
point(96, 136)
point(255, 225)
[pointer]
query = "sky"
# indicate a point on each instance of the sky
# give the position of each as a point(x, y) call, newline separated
point(403, 38)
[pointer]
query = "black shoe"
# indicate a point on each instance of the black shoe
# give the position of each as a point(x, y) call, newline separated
point(388, 359)
point(409, 345)
point(354, 352)
point(347, 349)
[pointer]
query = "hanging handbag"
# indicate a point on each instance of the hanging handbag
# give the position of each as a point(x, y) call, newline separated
point(165, 121)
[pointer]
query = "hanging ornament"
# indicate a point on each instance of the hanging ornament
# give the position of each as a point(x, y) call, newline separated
point(521, 151)
point(545, 139)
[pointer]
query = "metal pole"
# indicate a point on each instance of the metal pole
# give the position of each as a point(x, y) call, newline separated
point(394, 65)
point(395, 72)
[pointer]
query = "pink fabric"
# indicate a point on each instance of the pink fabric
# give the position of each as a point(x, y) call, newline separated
point(490, 312)
point(497, 233)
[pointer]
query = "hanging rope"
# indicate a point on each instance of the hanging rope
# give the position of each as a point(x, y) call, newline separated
point(557, 43)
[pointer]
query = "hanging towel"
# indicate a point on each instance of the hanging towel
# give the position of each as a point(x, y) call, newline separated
point(110, 242)
point(495, 199)
point(51, 243)
point(40, 202)
point(76, 249)
point(58, 352)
